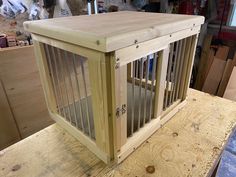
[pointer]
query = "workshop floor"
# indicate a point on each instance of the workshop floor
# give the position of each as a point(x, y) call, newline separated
point(227, 166)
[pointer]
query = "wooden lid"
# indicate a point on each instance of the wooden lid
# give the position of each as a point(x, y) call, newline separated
point(112, 31)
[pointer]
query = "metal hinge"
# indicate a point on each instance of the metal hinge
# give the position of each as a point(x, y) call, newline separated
point(121, 111)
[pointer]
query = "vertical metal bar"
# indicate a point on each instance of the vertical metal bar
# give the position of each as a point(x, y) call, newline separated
point(58, 80)
point(86, 94)
point(145, 93)
point(152, 84)
point(64, 81)
point(52, 78)
point(167, 99)
point(66, 59)
point(180, 67)
point(78, 90)
point(140, 90)
point(133, 97)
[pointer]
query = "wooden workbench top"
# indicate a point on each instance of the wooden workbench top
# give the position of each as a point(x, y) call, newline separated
point(112, 31)
point(188, 145)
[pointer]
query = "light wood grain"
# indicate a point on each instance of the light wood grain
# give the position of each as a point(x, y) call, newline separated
point(20, 78)
point(188, 145)
point(214, 76)
point(111, 31)
point(230, 92)
point(9, 133)
point(225, 78)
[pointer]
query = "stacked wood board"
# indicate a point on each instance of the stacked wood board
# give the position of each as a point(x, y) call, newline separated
point(216, 70)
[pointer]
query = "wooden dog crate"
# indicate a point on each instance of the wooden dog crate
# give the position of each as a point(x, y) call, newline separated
point(113, 79)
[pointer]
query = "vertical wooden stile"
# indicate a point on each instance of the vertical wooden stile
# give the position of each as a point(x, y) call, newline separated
point(160, 82)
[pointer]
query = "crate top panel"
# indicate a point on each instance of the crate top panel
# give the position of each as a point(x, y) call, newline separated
point(112, 31)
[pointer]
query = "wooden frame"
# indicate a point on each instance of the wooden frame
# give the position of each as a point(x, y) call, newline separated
point(134, 89)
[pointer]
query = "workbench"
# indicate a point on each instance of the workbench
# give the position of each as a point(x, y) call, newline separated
point(190, 144)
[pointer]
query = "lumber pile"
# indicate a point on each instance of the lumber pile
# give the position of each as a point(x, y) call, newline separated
point(217, 73)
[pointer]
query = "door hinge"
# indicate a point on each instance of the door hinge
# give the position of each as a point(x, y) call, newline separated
point(121, 110)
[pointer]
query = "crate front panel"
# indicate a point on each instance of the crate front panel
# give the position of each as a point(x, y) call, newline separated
point(71, 87)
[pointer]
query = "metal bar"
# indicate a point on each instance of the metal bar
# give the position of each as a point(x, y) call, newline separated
point(66, 59)
point(133, 97)
point(152, 84)
point(145, 93)
point(167, 100)
point(140, 90)
point(51, 71)
point(180, 68)
point(58, 80)
point(78, 89)
point(86, 94)
point(64, 81)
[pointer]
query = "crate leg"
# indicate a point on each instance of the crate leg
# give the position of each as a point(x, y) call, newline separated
point(98, 72)
point(160, 82)
point(121, 105)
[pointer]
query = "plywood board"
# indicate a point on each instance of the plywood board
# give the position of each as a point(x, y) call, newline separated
point(230, 92)
point(111, 31)
point(20, 78)
point(8, 129)
point(214, 76)
point(188, 145)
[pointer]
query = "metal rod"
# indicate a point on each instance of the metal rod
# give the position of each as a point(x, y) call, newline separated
point(133, 97)
point(152, 84)
point(86, 94)
point(78, 90)
point(66, 59)
point(145, 93)
point(167, 100)
point(140, 90)
point(49, 62)
point(61, 64)
point(58, 80)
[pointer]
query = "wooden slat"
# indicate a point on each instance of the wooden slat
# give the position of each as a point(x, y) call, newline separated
point(160, 82)
point(225, 78)
point(230, 92)
point(204, 57)
point(222, 52)
point(214, 77)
